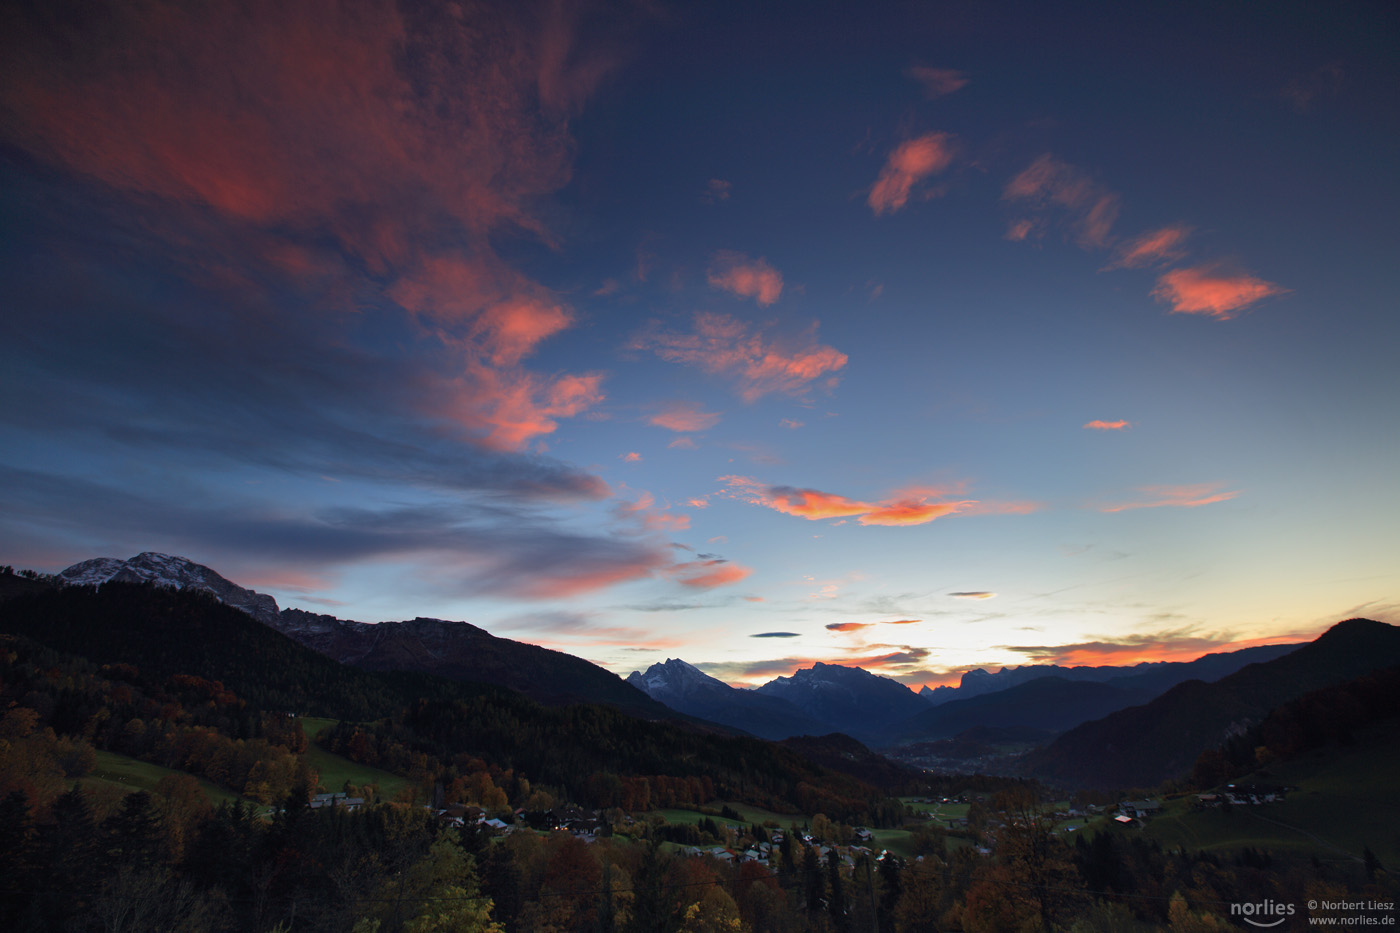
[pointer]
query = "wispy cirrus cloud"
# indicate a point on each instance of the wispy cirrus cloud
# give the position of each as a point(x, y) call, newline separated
point(1100, 425)
point(937, 82)
point(747, 278)
point(706, 574)
point(912, 506)
point(684, 417)
point(910, 163)
point(1152, 248)
point(761, 363)
point(468, 549)
point(648, 515)
point(1175, 496)
point(1212, 290)
point(1049, 183)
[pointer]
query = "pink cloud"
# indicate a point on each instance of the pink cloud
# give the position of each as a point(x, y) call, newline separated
point(1097, 425)
point(916, 506)
point(1049, 182)
point(1177, 496)
point(763, 365)
point(683, 443)
point(1212, 291)
point(308, 140)
point(938, 82)
point(1018, 230)
point(650, 516)
point(790, 423)
point(707, 574)
point(588, 578)
point(747, 278)
point(717, 190)
point(631, 457)
point(1304, 90)
point(908, 164)
point(505, 410)
point(684, 416)
point(1152, 248)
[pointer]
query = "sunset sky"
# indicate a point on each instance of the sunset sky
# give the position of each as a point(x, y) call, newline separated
point(920, 337)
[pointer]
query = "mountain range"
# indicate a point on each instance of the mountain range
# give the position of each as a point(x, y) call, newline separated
point(456, 650)
point(1144, 745)
point(1120, 726)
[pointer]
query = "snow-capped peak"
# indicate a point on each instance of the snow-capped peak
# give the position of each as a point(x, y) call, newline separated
point(170, 570)
point(674, 678)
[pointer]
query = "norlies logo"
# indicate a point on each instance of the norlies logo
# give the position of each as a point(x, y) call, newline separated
point(1264, 910)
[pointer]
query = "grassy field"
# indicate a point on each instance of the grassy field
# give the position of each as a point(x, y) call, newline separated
point(335, 770)
point(130, 775)
point(749, 815)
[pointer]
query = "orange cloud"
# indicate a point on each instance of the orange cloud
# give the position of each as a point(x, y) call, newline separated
point(973, 594)
point(1152, 248)
point(908, 164)
point(684, 416)
point(903, 621)
point(1209, 290)
point(763, 365)
point(1179, 496)
point(811, 503)
point(913, 510)
point(847, 626)
point(1097, 425)
point(937, 82)
point(706, 574)
point(1148, 647)
point(1050, 182)
point(907, 507)
point(747, 278)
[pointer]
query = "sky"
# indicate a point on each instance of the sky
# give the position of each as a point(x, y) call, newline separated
point(919, 337)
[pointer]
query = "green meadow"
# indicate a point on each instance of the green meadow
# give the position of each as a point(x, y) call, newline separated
point(335, 770)
point(130, 775)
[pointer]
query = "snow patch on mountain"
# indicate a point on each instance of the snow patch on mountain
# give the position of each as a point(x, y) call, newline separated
point(169, 570)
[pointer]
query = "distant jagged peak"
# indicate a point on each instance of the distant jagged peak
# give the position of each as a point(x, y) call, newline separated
point(674, 678)
point(170, 570)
